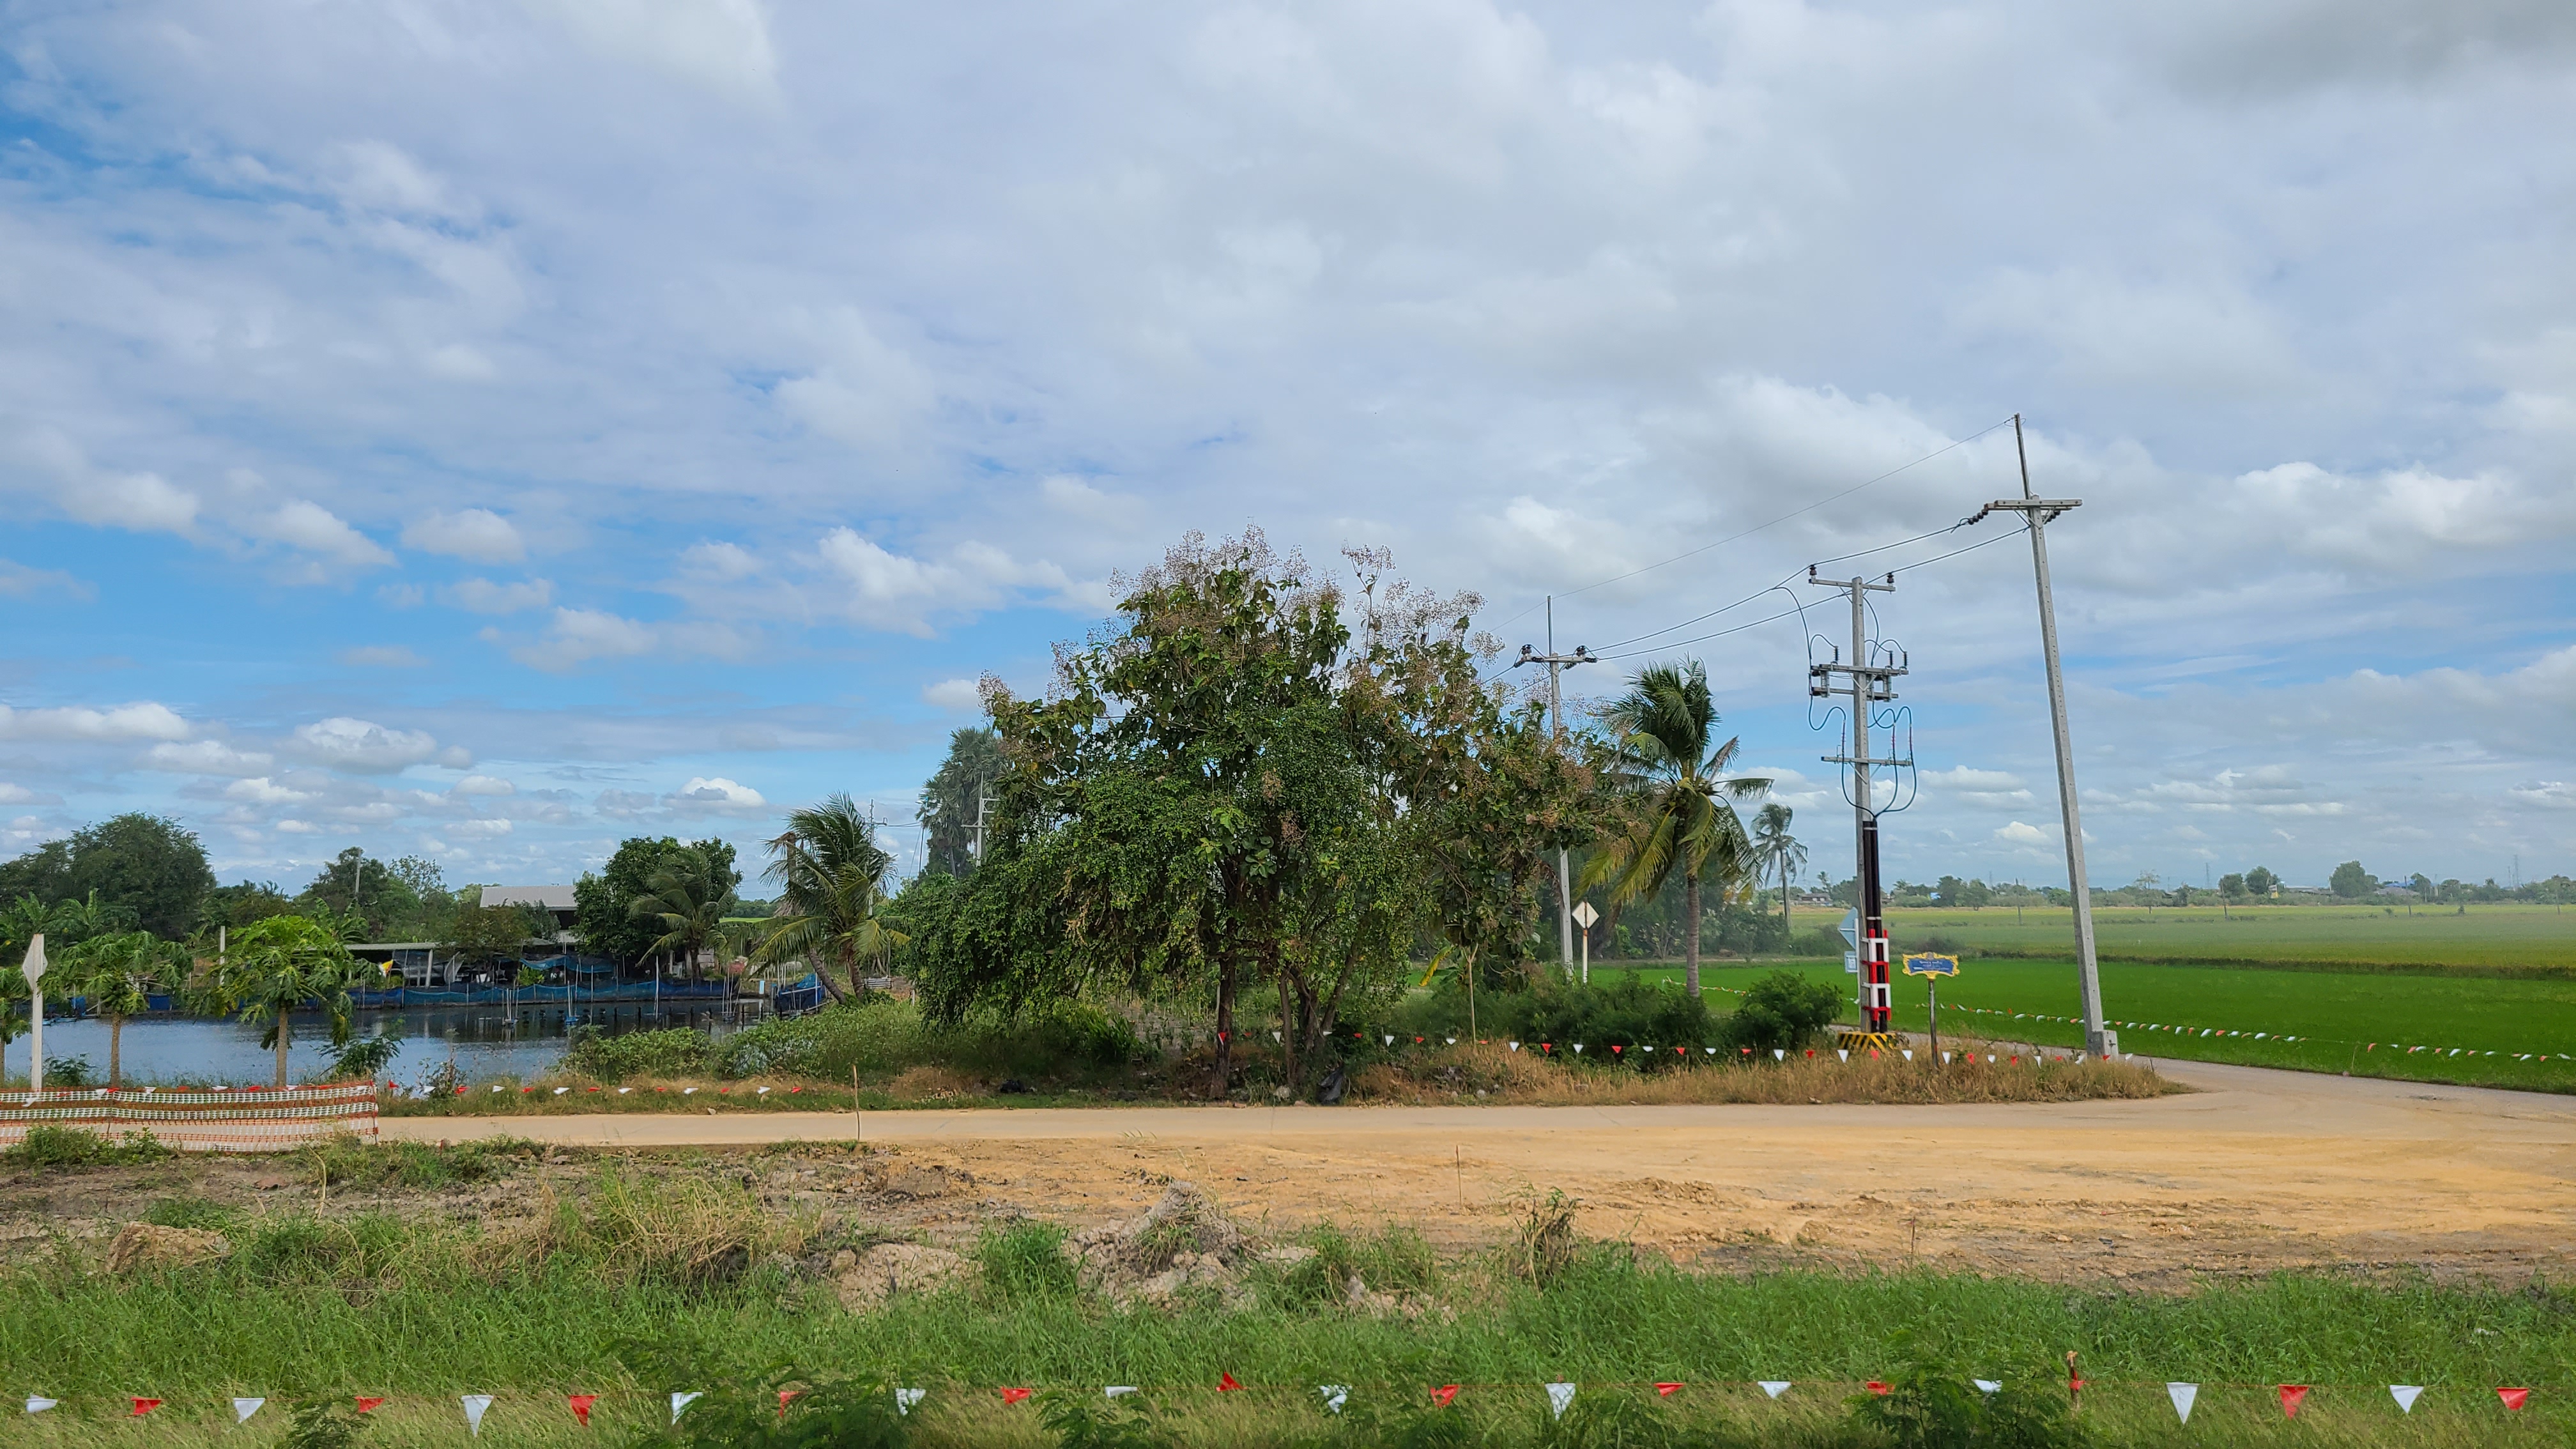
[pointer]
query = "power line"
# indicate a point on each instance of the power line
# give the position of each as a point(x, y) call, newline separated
point(1783, 518)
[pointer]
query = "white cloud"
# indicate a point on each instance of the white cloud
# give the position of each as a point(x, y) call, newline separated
point(309, 526)
point(484, 827)
point(260, 790)
point(957, 694)
point(716, 795)
point(380, 656)
point(482, 785)
point(623, 804)
point(866, 392)
point(14, 794)
point(363, 747)
point(2018, 833)
point(476, 534)
point(142, 720)
point(482, 596)
point(207, 757)
point(298, 827)
point(721, 45)
point(1985, 788)
point(18, 581)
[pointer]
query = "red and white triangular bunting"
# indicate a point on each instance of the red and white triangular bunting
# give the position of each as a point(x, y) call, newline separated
point(38, 1403)
point(1666, 1391)
point(1558, 1396)
point(2406, 1395)
point(475, 1407)
point(581, 1407)
point(1443, 1394)
point(1775, 1387)
point(244, 1408)
point(2292, 1395)
point(2514, 1399)
point(904, 1399)
point(1988, 1386)
point(1117, 1390)
point(2183, 1396)
point(682, 1400)
point(142, 1406)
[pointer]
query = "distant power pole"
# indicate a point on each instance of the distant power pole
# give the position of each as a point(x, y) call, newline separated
point(1869, 685)
point(2038, 513)
point(1555, 663)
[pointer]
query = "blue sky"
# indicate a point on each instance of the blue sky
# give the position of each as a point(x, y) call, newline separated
point(485, 430)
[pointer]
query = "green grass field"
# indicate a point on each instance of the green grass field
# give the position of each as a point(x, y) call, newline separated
point(426, 1325)
point(2344, 1012)
point(2504, 939)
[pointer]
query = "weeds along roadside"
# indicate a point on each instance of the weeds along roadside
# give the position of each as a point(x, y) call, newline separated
point(416, 1305)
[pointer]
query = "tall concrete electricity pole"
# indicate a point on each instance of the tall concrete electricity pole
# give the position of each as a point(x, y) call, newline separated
point(1871, 684)
point(1556, 711)
point(2037, 514)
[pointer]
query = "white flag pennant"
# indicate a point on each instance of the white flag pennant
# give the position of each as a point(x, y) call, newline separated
point(244, 1408)
point(2183, 1396)
point(2405, 1395)
point(1335, 1395)
point(681, 1401)
point(1778, 1052)
point(1390, 1041)
point(1114, 1390)
point(37, 1403)
point(1775, 1387)
point(474, 1404)
point(1909, 1054)
point(904, 1399)
point(1987, 1386)
point(1842, 1052)
point(1558, 1396)
point(1515, 1046)
point(1578, 1049)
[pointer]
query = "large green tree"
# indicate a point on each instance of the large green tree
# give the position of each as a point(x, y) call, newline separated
point(605, 902)
point(149, 868)
point(357, 885)
point(688, 898)
point(2351, 882)
point(831, 879)
point(272, 967)
point(952, 799)
point(119, 974)
point(1679, 811)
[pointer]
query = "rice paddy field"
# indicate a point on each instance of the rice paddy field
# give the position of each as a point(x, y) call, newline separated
point(2499, 939)
point(2472, 1030)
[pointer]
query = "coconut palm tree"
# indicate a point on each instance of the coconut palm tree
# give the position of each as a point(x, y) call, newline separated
point(1778, 849)
point(1679, 792)
point(271, 967)
point(688, 898)
point(830, 874)
point(118, 974)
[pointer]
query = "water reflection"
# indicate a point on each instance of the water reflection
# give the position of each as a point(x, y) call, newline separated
point(483, 1041)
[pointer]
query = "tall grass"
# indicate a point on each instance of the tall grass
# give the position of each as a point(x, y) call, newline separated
point(380, 1305)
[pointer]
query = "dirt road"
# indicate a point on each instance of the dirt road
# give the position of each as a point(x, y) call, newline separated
point(2257, 1170)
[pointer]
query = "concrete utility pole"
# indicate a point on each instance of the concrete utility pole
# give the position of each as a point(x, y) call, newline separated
point(2037, 514)
point(1869, 685)
point(1556, 662)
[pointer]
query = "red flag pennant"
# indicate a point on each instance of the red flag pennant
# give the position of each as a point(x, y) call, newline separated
point(2513, 1398)
point(783, 1396)
point(1614, 1049)
point(1441, 1395)
point(1225, 1383)
point(2292, 1395)
point(1875, 1387)
point(581, 1407)
point(1013, 1396)
point(369, 1406)
point(1667, 1390)
point(143, 1407)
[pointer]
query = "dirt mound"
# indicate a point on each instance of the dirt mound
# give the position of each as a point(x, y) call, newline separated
point(867, 1280)
point(143, 1246)
point(1184, 1239)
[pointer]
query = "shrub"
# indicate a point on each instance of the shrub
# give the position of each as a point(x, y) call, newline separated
point(47, 1145)
point(363, 1057)
point(1929, 1405)
point(188, 1212)
point(677, 1051)
point(323, 1424)
point(1628, 1012)
point(70, 1072)
point(1087, 1419)
point(291, 1249)
point(1782, 1010)
point(1026, 1260)
point(345, 1159)
point(1608, 1419)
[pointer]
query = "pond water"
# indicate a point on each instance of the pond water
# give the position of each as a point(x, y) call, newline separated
point(484, 1041)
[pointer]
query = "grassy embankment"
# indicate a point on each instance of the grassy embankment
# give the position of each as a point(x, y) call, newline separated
point(881, 1056)
point(640, 1285)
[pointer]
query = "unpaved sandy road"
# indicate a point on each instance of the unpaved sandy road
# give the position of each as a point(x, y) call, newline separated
point(2257, 1170)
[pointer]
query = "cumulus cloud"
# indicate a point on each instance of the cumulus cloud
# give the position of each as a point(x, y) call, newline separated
point(207, 757)
point(957, 694)
point(19, 581)
point(716, 795)
point(14, 794)
point(475, 534)
point(260, 790)
point(142, 720)
point(482, 785)
point(363, 747)
point(306, 525)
